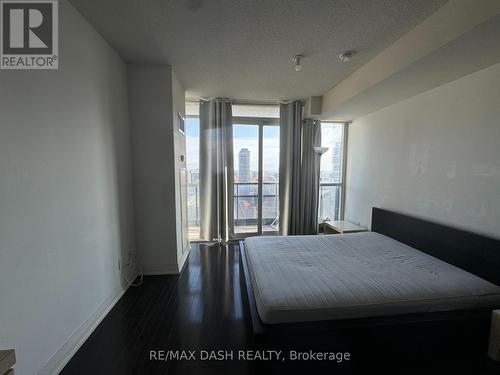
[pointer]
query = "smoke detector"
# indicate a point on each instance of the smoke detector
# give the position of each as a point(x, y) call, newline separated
point(346, 56)
point(297, 60)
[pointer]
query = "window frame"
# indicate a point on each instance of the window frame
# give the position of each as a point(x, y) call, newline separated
point(198, 240)
point(343, 166)
point(260, 122)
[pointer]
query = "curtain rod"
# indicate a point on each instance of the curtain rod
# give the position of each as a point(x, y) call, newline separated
point(243, 102)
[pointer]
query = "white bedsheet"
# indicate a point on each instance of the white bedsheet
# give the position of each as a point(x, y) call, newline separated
point(310, 278)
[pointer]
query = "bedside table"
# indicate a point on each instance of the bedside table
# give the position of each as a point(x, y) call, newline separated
point(341, 226)
point(7, 360)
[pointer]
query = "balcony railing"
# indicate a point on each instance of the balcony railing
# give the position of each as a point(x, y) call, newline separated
point(246, 202)
point(246, 199)
point(329, 201)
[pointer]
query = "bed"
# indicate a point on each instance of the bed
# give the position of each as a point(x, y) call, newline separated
point(405, 270)
point(313, 278)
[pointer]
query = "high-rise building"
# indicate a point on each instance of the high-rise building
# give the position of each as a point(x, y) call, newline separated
point(337, 162)
point(244, 167)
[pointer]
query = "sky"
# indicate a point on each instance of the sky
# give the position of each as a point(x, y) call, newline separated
point(246, 136)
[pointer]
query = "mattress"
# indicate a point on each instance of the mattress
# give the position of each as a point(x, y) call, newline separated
point(325, 277)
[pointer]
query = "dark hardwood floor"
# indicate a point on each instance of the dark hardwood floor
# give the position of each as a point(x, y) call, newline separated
point(204, 309)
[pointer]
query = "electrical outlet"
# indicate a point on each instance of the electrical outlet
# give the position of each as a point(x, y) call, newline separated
point(131, 258)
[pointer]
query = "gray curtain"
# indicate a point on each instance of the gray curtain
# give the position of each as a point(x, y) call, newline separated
point(299, 171)
point(309, 178)
point(216, 166)
point(290, 159)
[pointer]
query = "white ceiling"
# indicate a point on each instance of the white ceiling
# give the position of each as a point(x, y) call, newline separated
point(241, 48)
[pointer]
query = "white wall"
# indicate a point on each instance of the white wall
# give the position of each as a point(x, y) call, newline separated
point(155, 97)
point(65, 196)
point(436, 155)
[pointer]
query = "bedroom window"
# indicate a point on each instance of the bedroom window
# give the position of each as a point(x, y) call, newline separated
point(256, 169)
point(192, 126)
point(331, 186)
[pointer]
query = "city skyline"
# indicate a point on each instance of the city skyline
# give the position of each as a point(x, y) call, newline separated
point(246, 136)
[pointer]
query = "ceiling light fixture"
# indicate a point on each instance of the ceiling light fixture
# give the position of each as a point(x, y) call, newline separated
point(297, 59)
point(346, 56)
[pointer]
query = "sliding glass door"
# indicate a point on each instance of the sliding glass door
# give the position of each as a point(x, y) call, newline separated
point(246, 178)
point(256, 176)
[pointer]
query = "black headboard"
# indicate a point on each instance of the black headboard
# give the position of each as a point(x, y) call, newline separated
point(472, 252)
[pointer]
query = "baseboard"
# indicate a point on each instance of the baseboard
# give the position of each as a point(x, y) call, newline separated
point(63, 355)
point(184, 258)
